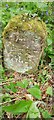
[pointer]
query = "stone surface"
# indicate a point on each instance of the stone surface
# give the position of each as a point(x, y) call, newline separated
point(23, 41)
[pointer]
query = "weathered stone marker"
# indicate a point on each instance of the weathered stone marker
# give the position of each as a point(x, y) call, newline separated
point(23, 41)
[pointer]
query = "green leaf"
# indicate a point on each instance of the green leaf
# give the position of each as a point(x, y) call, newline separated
point(1, 70)
point(41, 78)
point(49, 41)
point(33, 111)
point(42, 6)
point(1, 112)
point(12, 87)
point(46, 114)
point(25, 82)
point(49, 91)
point(35, 91)
point(18, 108)
point(0, 43)
point(20, 84)
point(6, 95)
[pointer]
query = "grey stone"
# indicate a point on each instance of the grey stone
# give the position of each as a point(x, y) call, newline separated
point(23, 45)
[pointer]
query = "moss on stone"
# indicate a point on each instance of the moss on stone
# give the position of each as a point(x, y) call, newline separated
point(28, 32)
point(22, 23)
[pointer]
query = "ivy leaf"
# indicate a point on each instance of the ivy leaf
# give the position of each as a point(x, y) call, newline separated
point(33, 111)
point(49, 91)
point(18, 108)
point(35, 91)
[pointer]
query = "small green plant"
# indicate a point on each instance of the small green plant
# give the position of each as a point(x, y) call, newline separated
point(2, 71)
point(35, 91)
point(49, 91)
point(28, 107)
point(23, 84)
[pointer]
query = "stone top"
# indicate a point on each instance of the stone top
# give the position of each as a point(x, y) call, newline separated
point(23, 40)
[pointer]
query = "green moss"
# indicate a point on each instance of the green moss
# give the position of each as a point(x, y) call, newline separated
point(22, 23)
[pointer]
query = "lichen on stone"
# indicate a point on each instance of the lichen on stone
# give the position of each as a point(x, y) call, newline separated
point(23, 40)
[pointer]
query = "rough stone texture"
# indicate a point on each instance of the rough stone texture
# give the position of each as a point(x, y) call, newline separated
point(23, 41)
